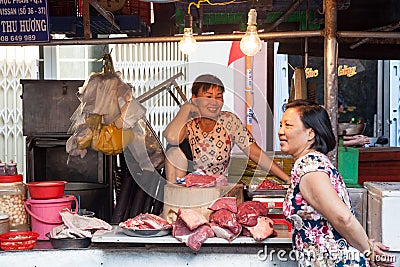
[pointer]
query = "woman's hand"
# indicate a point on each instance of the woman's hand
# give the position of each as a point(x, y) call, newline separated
point(379, 257)
point(356, 140)
point(176, 131)
point(191, 110)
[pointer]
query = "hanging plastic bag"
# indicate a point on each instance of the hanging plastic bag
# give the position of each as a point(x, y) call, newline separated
point(110, 140)
point(90, 128)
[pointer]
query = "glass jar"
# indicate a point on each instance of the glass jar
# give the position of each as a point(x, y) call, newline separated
point(12, 197)
point(4, 223)
point(11, 168)
point(3, 170)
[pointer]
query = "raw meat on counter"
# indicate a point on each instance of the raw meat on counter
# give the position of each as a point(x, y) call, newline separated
point(199, 179)
point(223, 220)
point(228, 203)
point(226, 219)
point(225, 225)
point(250, 219)
point(267, 184)
point(223, 232)
point(146, 221)
point(263, 229)
point(249, 211)
point(195, 237)
point(192, 218)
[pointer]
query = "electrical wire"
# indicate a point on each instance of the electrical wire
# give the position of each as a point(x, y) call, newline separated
point(208, 2)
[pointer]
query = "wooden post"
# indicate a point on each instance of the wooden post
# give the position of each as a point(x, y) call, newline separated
point(330, 67)
point(86, 19)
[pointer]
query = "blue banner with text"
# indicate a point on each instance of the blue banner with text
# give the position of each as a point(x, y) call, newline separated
point(23, 21)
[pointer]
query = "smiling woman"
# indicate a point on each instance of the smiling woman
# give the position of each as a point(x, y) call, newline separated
point(325, 230)
point(211, 134)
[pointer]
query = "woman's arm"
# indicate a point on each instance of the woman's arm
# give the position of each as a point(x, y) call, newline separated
point(356, 140)
point(175, 131)
point(257, 155)
point(318, 191)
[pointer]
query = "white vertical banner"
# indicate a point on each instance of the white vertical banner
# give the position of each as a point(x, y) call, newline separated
point(394, 103)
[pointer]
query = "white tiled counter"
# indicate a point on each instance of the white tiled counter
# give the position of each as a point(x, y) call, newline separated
point(113, 248)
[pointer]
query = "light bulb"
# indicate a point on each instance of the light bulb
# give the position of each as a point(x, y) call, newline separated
point(188, 44)
point(251, 43)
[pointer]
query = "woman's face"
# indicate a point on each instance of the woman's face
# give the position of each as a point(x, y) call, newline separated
point(294, 138)
point(209, 102)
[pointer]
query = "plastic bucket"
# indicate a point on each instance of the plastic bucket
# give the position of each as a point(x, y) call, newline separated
point(45, 213)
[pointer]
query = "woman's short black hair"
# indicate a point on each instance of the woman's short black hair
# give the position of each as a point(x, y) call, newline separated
point(315, 117)
point(204, 82)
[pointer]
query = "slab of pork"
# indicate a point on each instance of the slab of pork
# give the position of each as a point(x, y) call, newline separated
point(228, 203)
point(249, 211)
point(199, 180)
point(226, 219)
point(192, 238)
point(146, 221)
point(263, 229)
point(192, 218)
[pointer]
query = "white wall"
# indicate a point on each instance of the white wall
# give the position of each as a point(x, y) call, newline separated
point(212, 57)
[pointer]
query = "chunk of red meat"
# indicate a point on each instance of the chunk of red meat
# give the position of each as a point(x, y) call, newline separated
point(228, 203)
point(263, 229)
point(248, 212)
point(226, 219)
point(223, 232)
point(198, 180)
point(246, 232)
point(192, 218)
point(267, 184)
point(220, 180)
point(193, 239)
point(146, 221)
point(154, 221)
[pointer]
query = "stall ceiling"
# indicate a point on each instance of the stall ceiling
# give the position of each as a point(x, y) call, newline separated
point(352, 15)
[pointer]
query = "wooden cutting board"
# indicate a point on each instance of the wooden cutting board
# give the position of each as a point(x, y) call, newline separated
point(176, 197)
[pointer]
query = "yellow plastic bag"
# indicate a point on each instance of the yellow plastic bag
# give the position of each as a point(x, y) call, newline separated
point(110, 140)
point(88, 131)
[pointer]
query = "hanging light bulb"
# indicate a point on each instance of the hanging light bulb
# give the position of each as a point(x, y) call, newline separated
point(188, 44)
point(251, 43)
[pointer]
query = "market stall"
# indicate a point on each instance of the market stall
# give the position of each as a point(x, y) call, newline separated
point(115, 248)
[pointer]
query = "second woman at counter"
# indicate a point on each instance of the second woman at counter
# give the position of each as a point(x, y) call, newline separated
point(325, 230)
point(211, 134)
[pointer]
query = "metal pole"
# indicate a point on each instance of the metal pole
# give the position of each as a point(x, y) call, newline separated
point(199, 38)
point(330, 66)
point(220, 37)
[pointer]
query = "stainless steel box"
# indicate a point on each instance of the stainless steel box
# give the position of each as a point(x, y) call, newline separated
point(358, 197)
point(47, 106)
